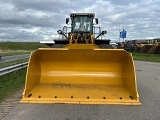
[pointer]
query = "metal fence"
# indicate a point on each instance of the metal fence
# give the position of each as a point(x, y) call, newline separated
point(12, 68)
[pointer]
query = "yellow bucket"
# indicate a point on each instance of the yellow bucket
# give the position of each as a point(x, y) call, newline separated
point(81, 74)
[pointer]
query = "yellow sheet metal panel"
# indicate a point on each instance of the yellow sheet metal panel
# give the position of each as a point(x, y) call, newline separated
point(81, 73)
point(33, 73)
point(129, 76)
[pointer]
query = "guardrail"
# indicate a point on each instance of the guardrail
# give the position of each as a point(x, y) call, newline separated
point(12, 68)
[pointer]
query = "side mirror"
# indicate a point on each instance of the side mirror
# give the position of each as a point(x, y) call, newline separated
point(59, 32)
point(67, 20)
point(104, 32)
point(62, 33)
point(96, 20)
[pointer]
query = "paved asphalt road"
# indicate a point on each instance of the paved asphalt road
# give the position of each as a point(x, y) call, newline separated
point(148, 78)
point(14, 57)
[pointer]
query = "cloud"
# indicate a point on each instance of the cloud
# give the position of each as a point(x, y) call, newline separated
point(32, 20)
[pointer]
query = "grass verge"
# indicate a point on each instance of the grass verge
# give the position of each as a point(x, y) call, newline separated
point(14, 53)
point(146, 57)
point(19, 45)
point(13, 62)
point(11, 82)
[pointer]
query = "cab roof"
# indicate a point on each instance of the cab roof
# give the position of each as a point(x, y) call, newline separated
point(81, 14)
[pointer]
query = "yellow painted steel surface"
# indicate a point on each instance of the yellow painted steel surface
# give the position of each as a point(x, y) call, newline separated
point(82, 74)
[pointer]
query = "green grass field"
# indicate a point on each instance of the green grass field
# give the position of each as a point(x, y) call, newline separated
point(146, 57)
point(14, 46)
point(10, 53)
point(17, 48)
point(2, 65)
point(11, 82)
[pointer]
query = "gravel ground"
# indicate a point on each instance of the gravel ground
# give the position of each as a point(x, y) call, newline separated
point(10, 103)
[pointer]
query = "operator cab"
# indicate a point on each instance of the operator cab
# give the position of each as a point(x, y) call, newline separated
point(81, 22)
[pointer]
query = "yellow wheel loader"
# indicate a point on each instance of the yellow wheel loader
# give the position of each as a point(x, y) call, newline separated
point(81, 72)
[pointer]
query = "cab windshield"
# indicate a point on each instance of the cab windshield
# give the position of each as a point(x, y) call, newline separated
point(82, 24)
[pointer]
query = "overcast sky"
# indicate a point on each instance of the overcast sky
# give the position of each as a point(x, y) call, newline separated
point(32, 20)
